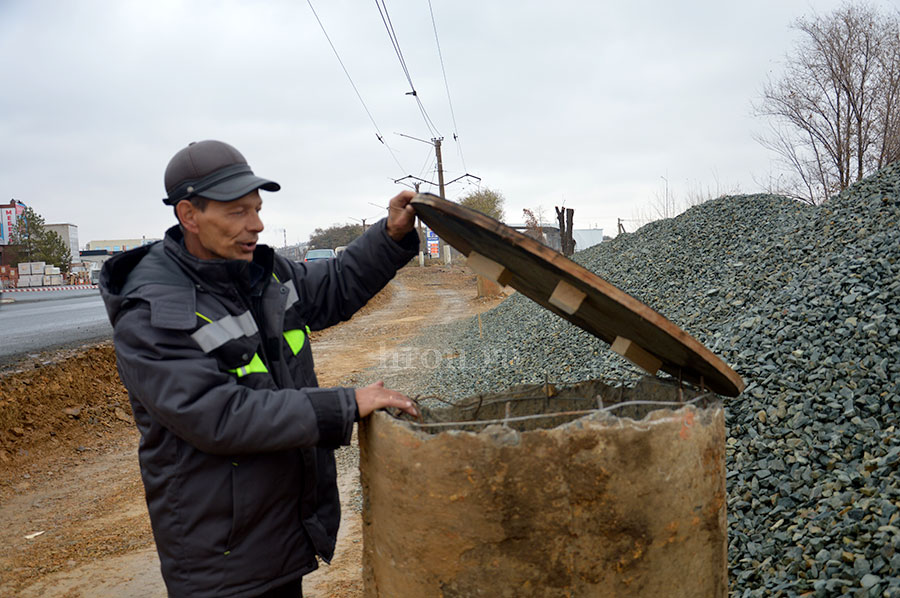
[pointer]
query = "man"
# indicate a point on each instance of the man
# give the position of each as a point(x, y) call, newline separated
point(211, 335)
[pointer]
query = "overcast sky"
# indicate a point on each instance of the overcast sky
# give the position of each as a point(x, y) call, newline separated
point(593, 105)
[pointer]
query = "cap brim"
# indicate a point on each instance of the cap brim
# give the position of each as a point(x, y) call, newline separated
point(237, 187)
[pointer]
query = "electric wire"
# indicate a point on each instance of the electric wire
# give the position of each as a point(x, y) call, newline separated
point(429, 159)
point(352, 84)
point(386, 19)
point(447, 87)
point(437, 186)
point(428, 121)
point(389, 26)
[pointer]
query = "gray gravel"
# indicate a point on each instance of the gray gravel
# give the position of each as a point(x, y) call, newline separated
point(804, 303)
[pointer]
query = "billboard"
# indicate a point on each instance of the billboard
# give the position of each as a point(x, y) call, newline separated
point(7, 223)
point(433, 243)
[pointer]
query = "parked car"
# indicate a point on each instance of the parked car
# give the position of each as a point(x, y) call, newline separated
point(318, 254)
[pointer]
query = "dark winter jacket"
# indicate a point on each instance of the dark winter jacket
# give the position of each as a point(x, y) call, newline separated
point(237, 442)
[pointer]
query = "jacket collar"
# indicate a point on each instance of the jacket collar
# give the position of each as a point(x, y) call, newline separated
point(220, 275)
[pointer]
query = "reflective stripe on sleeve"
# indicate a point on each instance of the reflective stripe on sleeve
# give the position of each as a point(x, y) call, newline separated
point(217, 333)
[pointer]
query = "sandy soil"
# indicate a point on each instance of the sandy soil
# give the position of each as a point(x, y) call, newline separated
point(73, 522)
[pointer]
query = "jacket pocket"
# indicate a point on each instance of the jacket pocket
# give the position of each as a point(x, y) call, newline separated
point(321, 508)
point(328, 501)
point(237, 512)
point(265, 531)
point(237, 353)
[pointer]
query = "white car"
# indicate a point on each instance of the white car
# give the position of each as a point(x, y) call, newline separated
point(319, 254)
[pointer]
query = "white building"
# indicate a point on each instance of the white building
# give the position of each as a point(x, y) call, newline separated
point(586, 237)
point(69, 234)
point(117, 245)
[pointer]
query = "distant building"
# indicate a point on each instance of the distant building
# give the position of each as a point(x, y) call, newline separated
point(94, 256)
point(9, 213)
point(584, 237)
point(117, 245)
point(69, 234)
point(549, 235)
point(587, 237)
point(292, 252)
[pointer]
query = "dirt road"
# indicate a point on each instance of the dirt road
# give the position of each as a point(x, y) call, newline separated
point(73, 522)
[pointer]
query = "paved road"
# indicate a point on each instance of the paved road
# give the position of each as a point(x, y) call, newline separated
point(38, 321)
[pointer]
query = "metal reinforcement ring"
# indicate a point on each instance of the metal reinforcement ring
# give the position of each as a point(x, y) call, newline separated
point(601, 408)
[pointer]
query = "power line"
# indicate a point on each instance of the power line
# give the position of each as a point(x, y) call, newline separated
point(447, 87)
point(389, 26)
point(386, 19)
point(428, 121)
point(429, 160)
point(352, 84)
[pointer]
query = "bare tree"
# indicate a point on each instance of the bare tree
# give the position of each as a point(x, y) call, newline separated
point(565, 216)
point(698, 194)
point(662, 205)
point(888, 112)
point(540, 213)
point(835, 109)
point(533, 226)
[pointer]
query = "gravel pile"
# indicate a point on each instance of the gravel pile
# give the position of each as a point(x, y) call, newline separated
point(804, 303)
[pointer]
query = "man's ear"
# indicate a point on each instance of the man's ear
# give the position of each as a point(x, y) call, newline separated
point(187, 215)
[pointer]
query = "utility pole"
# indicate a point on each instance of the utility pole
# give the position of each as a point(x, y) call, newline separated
point(440, 163)
point(284, 236)
point(445, 249)
point(666, 179)
point(436, 142)
point(420, 231)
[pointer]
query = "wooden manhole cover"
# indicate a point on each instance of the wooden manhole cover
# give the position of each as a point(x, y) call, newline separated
point(634, 330)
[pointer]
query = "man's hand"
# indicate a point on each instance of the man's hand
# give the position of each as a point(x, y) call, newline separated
point(376, 396)
point(401, 215)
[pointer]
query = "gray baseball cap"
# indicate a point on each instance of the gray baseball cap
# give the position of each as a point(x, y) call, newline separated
point(211, 169)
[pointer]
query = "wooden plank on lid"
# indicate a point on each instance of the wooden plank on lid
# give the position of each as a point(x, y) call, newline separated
point(557, 283)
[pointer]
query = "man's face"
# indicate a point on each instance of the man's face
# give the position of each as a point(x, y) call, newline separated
point(225, 229)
